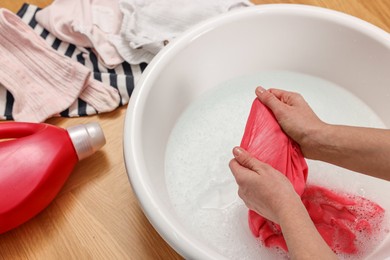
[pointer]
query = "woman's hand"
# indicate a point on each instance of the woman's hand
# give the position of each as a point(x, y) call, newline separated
point(361, 149)
point(294, 115)
point(270, 194)
point(262, 188)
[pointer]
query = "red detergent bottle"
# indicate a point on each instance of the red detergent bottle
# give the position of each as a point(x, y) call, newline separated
point(35, 161)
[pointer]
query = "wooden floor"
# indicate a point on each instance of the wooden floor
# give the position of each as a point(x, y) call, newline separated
point(96, 215)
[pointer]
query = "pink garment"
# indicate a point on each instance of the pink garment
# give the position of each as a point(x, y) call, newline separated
point(263, 138)
point(86, 23)
point(43, 82)
point(343, 220)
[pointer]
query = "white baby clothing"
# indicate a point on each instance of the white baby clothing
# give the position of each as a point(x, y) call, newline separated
point(148, 25)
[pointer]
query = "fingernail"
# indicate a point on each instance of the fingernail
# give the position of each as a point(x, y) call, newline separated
point(260, 90)
point(237, 151)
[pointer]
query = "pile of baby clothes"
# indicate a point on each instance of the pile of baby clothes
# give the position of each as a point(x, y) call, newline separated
point(77, 58)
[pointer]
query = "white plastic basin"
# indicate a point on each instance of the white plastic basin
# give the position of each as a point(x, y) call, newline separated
point(319, 42)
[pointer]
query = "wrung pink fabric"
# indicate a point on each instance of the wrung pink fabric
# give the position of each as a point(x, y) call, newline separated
point(341, 219)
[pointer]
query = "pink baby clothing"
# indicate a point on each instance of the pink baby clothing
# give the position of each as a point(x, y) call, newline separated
point(42, 81)
point(343, 220)
point(86, 23)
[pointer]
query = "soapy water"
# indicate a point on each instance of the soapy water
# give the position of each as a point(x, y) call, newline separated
point(199, 182)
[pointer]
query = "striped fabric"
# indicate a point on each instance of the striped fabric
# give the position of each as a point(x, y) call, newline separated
point(123, 77)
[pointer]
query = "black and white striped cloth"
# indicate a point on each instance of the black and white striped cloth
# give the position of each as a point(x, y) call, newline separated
point(123, 77)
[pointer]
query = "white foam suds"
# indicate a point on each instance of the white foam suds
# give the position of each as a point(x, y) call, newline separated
point(199, 182)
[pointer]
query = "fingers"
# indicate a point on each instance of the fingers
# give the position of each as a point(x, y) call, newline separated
point(246, 160)
point(269, 99)
point(287, 97)
point(240, 173)
point(277, 98)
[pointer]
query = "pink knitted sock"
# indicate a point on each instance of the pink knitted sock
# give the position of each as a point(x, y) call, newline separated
point(42, 81)
point(101, 97)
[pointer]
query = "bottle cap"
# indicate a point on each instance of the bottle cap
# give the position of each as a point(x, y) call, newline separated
point(86, 139)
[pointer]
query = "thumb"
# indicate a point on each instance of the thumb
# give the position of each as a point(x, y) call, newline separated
point(269, 99)
point(246, 160)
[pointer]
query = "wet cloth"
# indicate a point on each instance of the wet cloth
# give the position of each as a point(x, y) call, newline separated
point(123, 78)
point(148, 25)
point(85, 23)
point(344, 221)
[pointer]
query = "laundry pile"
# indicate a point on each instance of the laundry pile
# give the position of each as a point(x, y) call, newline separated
point(77, 58)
